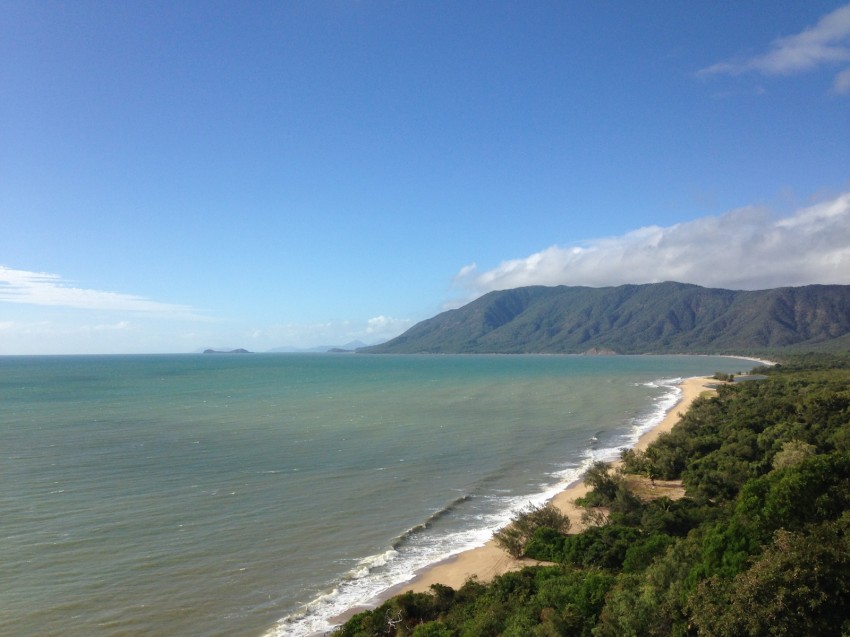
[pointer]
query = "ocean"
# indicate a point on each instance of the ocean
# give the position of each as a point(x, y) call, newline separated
point(260, 495)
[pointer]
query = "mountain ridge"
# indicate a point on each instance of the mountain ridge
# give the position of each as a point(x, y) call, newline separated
point(666, 317)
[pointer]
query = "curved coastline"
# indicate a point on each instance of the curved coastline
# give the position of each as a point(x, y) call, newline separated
point(489, 561)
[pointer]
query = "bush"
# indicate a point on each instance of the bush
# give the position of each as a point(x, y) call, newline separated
point(643, 552)
point(635, 461)
point(600, 546)
point(793, 453)
point(432, 629)
point(604, 485)
point(546, 545)
point(674, 517)
point(799, 586)
point(515, 537)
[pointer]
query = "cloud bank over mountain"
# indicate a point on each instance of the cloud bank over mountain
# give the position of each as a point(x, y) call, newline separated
point(748, 248)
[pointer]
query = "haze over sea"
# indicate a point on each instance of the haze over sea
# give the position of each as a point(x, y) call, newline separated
point(263, 494)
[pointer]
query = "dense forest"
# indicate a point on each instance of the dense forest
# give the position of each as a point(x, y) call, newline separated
point(758, 545)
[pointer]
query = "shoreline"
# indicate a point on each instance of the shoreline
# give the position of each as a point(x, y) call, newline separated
point(489, 561)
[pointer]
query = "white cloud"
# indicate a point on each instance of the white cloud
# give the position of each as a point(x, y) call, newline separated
point(67, 337)
point(303, 335)
point(747, 248)
point(828, 42)
point(42, 288)
point(120, 326)
point(841, 84)
point(467, 269)
point(383, 325)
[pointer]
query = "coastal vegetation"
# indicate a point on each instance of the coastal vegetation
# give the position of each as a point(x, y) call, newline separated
point(660, 318)
point(527, 523)
point(758, 545)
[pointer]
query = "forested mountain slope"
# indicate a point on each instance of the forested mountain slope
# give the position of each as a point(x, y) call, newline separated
point(633, 319)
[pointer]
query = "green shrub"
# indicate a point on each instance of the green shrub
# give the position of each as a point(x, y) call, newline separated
point(600, 546)
point(432, 629)
point(546, 545)
point(515, 537)
point(644, 551)
point(674, 517)
point(799, 586)
point(793, 453)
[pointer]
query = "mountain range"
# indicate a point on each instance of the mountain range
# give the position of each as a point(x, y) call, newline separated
point(348, 347)
point(658, 318)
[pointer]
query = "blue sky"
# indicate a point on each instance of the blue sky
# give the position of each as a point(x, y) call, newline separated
point(176, 176)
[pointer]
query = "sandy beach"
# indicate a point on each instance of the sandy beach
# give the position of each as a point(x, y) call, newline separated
point(488, 561)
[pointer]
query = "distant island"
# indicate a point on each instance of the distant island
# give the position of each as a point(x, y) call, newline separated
point(230, 351)
point(657, 318)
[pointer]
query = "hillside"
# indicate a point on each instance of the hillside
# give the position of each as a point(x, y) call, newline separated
point(634, 319)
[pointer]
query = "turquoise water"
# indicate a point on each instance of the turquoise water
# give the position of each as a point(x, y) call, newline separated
point(262, 494)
